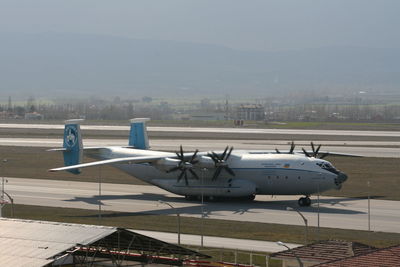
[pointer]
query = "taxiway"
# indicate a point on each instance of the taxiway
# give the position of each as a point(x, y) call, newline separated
point(362, 148)
point(335, 212)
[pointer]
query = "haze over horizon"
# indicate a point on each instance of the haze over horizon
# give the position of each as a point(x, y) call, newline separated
point(198, 47)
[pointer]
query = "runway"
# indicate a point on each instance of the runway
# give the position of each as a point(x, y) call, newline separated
point(345, 213)
point(362, 148)
point(210, 130)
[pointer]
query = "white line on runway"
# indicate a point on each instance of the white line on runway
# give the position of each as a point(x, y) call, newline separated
point(211, 130)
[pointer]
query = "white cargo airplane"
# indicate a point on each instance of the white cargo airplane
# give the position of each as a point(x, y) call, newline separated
point(224, 174)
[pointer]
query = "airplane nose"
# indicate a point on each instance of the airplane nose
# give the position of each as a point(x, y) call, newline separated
point(341, 178)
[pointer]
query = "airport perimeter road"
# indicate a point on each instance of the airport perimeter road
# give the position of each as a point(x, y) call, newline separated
point(211, 130)
point(345, 213)
point(218, 242)
point(362, 148)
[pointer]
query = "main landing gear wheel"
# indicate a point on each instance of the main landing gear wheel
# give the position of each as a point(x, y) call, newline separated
point(304, 202)
point(251, 197)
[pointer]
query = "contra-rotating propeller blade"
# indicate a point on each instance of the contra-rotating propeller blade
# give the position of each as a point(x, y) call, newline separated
point(185, 165)
point(291, 150)
point(220, 162)
point(315, 152)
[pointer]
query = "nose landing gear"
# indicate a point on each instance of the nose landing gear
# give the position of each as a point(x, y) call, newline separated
point(304, 201)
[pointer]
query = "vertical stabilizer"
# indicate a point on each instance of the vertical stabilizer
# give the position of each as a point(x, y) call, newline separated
point(73, 144)
point(138, 135)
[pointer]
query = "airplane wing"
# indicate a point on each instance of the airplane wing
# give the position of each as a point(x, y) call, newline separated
point(110, 161)
point(302, 153)
point(340, 154)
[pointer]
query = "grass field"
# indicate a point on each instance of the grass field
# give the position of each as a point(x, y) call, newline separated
point(382, 173)
point(190, 225)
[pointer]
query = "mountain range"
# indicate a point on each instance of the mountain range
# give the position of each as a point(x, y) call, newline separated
point(78, 65)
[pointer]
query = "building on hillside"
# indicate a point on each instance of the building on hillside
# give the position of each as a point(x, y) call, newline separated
point(253, 112)
point(321, 252)
point(33, 116)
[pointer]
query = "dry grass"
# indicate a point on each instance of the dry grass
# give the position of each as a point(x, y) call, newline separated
point(189, 225)
point(382, 173)
point(33, 162)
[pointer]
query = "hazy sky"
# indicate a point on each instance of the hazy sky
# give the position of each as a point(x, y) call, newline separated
point(245, 24)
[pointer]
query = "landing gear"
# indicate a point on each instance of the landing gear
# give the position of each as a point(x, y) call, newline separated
point(304, 202)
point(251, 197)
point(190, 198)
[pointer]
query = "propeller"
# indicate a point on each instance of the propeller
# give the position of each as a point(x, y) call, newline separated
point(220, 162)
point(291, 151)
point(315, 152)
point(185, 166)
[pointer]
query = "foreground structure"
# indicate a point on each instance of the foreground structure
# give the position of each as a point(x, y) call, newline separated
point(40, 243)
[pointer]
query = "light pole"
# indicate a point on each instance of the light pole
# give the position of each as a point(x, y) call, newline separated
point(99, 194)
point(202, 206)
point(369, 208)
point(2, 188)
point(318, 212)
point(179, 219)
point(305, 222)
point(294, 254)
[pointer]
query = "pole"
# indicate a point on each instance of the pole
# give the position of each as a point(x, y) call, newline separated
point(2, 197)
point(177, 215)
point(294, 254)
point(179, 228)
point(318, 233)
point(369, 208)
point(202, 208)
point(2, 187)
point(305, 223)
point(99, 193)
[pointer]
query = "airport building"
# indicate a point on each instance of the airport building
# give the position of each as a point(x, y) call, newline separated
point(253, 112)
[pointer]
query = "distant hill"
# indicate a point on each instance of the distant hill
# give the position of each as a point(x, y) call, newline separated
point(85, 65)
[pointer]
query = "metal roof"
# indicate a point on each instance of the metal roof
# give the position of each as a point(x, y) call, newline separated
point(37, 243)
point(325, 250)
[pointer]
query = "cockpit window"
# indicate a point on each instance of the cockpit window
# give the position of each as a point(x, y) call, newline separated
point(327, 166)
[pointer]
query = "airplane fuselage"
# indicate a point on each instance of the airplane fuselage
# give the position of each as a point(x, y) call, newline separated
point(255, 173)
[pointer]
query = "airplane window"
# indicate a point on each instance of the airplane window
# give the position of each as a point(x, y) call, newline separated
point(327, 166)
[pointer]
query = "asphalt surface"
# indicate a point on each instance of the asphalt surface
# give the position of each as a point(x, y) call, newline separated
point(362, 148)
point(335, 212)
point(211, 130)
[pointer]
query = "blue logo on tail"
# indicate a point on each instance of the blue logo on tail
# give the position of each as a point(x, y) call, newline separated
point(70, 136)
point(73, 146)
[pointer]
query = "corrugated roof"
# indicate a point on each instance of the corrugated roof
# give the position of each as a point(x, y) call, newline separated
point(325, 251)
point(35, 243)
point(386, 257)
